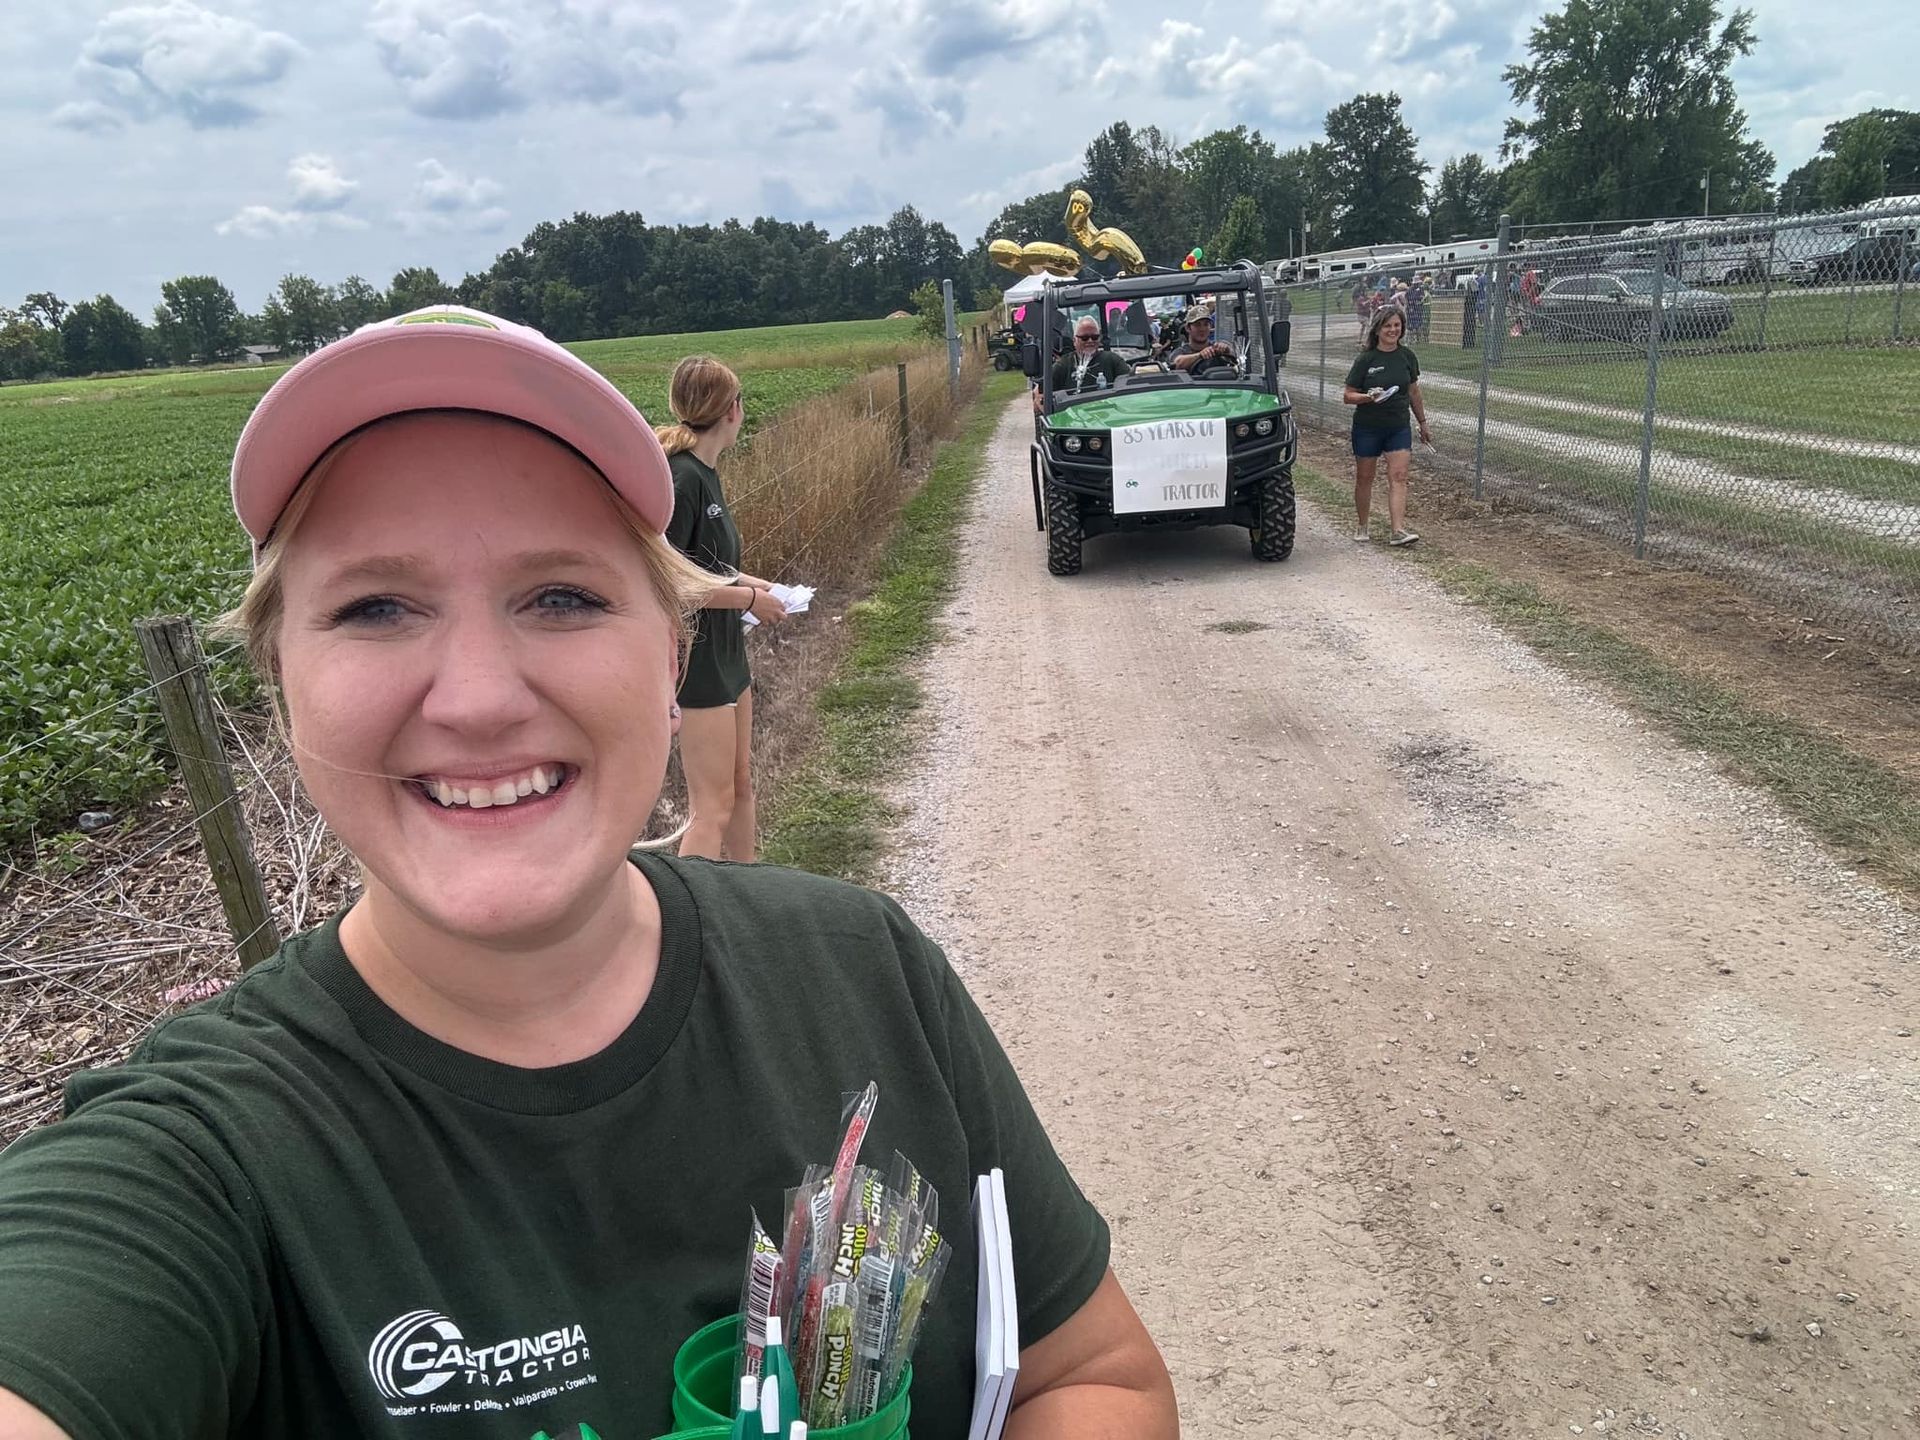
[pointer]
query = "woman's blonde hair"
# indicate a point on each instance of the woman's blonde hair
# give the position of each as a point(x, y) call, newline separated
point(700, 395)
point(680, 586)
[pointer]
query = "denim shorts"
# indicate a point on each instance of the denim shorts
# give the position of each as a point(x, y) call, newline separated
point(1370, 442)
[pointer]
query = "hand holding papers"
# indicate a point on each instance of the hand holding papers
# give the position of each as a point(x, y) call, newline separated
point(795, 597)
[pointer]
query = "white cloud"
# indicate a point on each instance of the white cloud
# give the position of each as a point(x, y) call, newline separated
point(911, 107)
point(803, 117)
point(89, 116)
point(446, 200)
point(1238, 81)
point(263, 222)
point(318, 183)
point(951, 36)
point(453, 63)
point(176, 58)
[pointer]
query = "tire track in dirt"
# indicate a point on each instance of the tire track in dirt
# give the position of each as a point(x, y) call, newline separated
point(1452, 1056)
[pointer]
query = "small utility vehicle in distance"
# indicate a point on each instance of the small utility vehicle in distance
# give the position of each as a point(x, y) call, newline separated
point(1162, 448)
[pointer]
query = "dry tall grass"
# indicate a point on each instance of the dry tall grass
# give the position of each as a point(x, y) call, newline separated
point(810, 490)
point(109, 932)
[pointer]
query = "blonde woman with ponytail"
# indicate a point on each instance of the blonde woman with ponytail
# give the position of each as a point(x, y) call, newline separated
point(716, 690)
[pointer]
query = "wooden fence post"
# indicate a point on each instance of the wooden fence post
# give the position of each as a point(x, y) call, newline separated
point(906, 419)
point(179, 674)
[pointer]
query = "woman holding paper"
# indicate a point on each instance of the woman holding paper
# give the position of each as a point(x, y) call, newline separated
point(716, 689)
point(1383, 386)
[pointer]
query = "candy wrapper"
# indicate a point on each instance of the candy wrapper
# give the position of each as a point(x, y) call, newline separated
point(858, 1262)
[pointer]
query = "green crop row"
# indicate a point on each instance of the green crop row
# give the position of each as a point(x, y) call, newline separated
point(113, 507)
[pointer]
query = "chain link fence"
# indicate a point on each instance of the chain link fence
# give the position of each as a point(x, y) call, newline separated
point(1740, 397)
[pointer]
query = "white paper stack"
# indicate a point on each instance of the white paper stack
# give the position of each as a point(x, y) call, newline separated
point(795, 597)
point(997, 1326)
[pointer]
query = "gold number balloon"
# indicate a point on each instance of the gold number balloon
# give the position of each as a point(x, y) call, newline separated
point(1105, 243)
point(1038, 257)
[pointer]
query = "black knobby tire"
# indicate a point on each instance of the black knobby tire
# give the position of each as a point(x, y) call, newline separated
point(1273, 539)
point(1637, 330)
point(1001, 362)
point(1065, 534)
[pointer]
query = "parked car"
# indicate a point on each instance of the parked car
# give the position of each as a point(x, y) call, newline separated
point(1866, 259)
point(1618, 305)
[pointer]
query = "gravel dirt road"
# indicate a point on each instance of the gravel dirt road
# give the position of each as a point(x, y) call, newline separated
point(1452, 1055)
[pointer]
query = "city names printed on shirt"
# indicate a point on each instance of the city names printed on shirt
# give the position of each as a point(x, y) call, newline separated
point(1169, 465)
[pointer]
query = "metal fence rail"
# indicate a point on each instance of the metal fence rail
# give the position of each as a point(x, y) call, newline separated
point(1739, 397)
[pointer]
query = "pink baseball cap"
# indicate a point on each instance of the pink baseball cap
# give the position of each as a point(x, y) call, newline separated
point(445, 357)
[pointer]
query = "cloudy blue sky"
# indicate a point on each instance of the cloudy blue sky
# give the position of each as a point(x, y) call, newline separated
point(250, 138)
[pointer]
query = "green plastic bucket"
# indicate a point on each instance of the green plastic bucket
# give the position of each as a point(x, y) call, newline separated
point(704, 1392)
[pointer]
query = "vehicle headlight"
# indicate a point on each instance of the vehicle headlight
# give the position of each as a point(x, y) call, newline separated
point(1093, 442)
point(1072, 443)
point(1242, 430)
point(1263, 427)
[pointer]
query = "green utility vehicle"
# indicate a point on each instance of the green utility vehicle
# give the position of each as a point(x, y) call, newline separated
point(1003, 347)
point(1158, 447)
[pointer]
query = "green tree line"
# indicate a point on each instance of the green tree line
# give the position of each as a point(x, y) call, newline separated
point(1626, 107)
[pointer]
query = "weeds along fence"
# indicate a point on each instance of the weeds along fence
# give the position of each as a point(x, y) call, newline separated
point(809, 491)
point(1738, 398)
point(114, 918)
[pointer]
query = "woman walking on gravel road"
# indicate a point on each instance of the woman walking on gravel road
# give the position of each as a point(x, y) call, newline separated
point(1383, 386)
point(716, 692)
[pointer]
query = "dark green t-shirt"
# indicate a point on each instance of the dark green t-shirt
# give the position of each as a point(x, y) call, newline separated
point(1101, 371)
point(702, 529)
point(1398, 366)
point(292, 1215)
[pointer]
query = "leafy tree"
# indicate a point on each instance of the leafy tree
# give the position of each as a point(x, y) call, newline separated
point(102, 334)
point(564, 310)
point(1804, 185)
point(356, 302)
point(302, 314)
point(43, 307)
point(416, 287)
point(1633, 102)
point(930, 310)
point(198, 319)
point(1241, 235)
point(29, 350)
point(1372, 171)
point(1466, 198)
point(1862, 155)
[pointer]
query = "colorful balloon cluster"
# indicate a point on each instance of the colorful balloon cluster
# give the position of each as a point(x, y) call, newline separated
point(1196, 257)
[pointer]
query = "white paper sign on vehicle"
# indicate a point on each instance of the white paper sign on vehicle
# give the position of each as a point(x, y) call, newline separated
point(1169, 465)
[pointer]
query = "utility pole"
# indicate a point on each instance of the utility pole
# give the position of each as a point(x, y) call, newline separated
point(1706, 194)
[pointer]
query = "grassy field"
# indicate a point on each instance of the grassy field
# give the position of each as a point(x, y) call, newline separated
point(115, 498)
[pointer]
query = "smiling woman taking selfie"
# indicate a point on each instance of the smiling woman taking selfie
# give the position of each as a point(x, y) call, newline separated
point(529, 1084)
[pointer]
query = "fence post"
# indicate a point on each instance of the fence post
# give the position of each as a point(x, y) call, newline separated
point(1496, 275)
point(179, 674)
point(1326, 298)
point(1766, 292)
point(1905, 263)
point(1656, 328)
point(953, 341)
point(1853, 282)
point(906, 422)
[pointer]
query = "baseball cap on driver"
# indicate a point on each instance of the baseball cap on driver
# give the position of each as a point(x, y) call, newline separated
point(445, 357)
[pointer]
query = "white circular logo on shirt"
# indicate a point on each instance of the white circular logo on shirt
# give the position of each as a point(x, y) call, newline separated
point(415, 1355)
point(713, 512)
